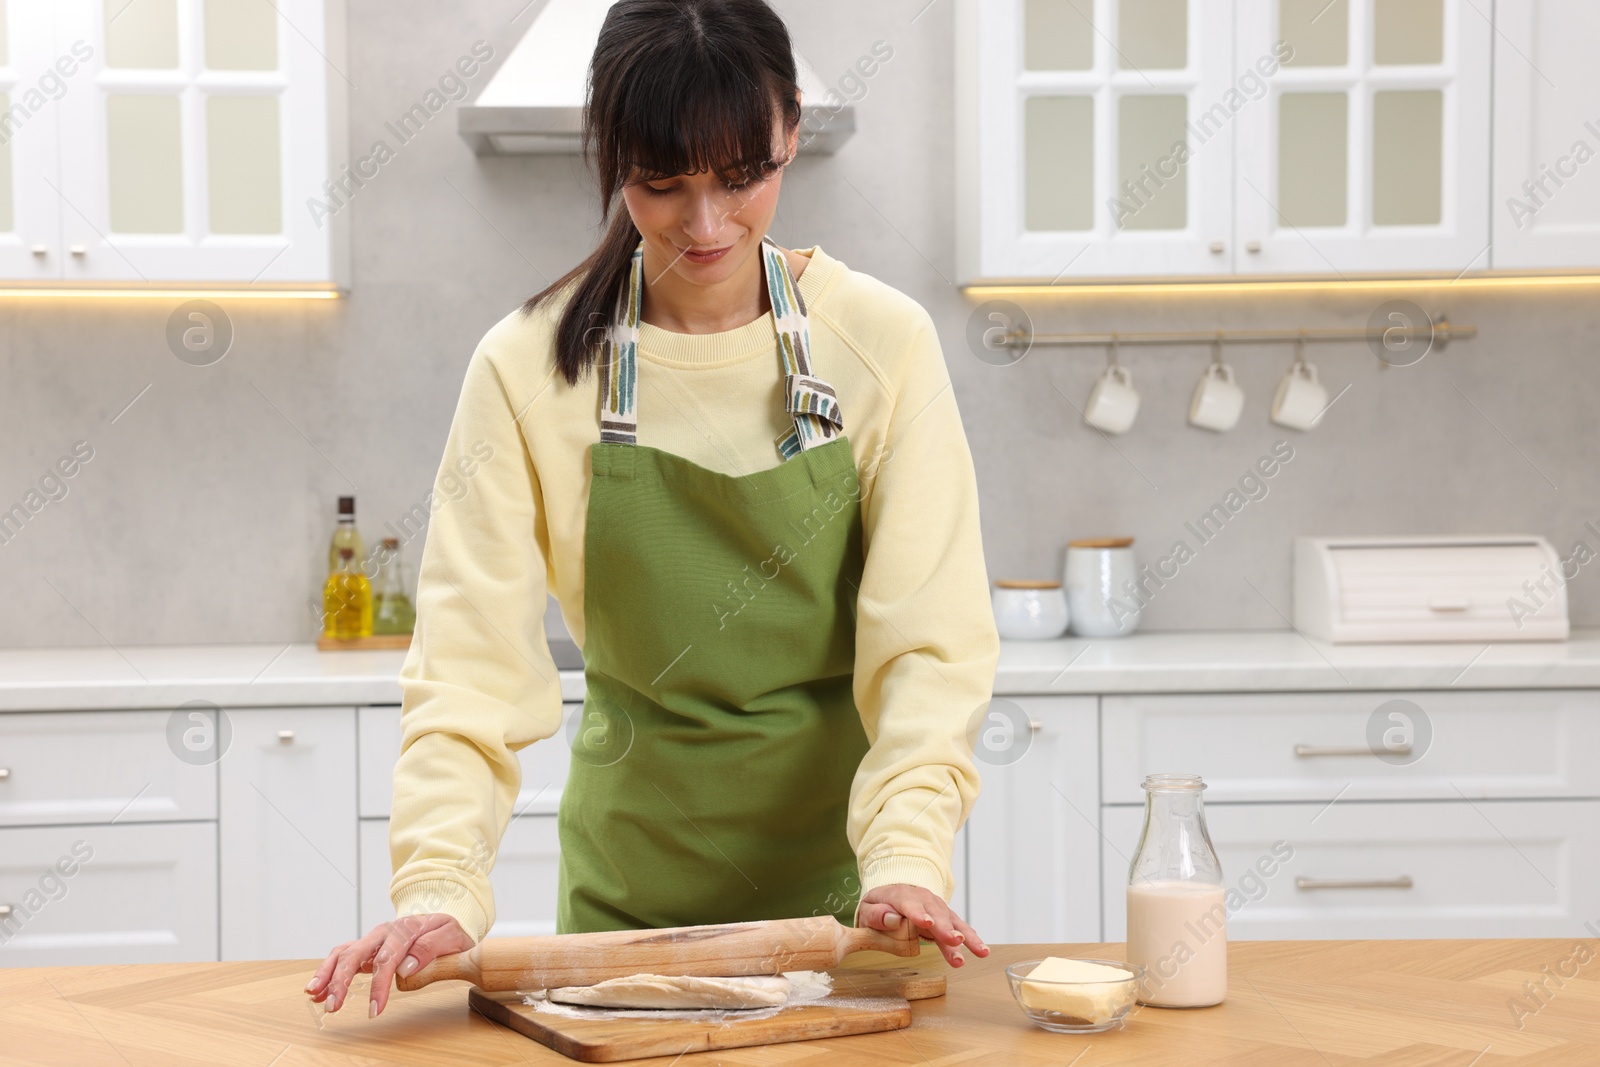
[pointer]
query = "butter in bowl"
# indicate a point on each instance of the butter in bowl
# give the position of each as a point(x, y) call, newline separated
point(1074, 996)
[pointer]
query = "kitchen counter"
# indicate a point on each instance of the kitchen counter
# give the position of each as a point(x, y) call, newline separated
point(56, 679)
point(229, 676)
point(1283, 661)
point(1289, 1002)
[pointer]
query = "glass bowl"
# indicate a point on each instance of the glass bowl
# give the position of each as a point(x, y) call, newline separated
point(1075, 1007)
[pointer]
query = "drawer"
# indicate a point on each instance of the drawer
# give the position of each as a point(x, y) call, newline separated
point(1315, 746)
point(524, 876)
point(134, 894)
point(77, 767)
point(1485, 869)
point(544, 764)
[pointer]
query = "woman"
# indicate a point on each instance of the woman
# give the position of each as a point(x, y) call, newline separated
point(784, 615)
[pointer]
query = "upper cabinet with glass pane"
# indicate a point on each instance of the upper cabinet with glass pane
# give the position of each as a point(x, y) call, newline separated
point(1080, 155)
point(1234, 138)
point(193, 138)
point(1371, 152)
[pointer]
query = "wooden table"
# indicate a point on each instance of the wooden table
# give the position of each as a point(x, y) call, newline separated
point(1290, 1003)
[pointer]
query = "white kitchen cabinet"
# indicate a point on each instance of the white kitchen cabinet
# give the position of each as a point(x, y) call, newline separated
point(1076, 154)
point(104, 766)
point(1317, 746)
point(136, 893)
point(1490, 868)
point(288, 839)
point(1033, 839)
point(193, 141)
point(1370, 153)
point(1181, 138)
point(960, 870)
point(1546, 205)
point(31, 76)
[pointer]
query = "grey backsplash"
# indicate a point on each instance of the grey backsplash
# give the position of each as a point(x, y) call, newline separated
point(204, 514)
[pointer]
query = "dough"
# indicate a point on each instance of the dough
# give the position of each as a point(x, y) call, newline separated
point(665, 991)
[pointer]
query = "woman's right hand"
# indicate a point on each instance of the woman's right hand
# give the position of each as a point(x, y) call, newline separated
point(404, 945)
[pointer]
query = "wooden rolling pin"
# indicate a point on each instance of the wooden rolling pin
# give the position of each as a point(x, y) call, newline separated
point(769, 947)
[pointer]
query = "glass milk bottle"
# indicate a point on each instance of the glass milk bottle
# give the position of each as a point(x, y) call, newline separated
point(1177, 916)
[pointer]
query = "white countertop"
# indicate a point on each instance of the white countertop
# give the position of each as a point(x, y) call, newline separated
point(1282, 660)
point(56, 679)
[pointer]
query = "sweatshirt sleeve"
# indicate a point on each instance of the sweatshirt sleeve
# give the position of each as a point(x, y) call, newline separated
point(478, 682)
point(926, 643)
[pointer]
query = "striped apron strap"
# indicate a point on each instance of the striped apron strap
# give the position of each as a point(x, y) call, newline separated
point(619, 417)
point(810, 401)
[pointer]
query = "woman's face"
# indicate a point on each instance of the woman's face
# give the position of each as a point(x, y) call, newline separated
point(681, 216)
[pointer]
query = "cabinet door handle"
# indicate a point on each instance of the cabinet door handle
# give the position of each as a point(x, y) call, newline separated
point(79, 250)
point(5, 911)
point(1253, 247)
point(1034, 726)
point(41, 250)
point(5, 772)
point(1217, 248)
point(1402, 882)
point(1312, 751)
point(285, 737)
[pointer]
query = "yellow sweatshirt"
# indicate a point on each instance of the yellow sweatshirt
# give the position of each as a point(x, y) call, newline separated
point(507, 528)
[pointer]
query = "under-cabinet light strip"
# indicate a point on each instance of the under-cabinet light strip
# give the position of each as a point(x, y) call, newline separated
point(1324, 285)
point(45, 293)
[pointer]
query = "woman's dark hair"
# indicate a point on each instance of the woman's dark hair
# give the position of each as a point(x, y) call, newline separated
point(675, 87)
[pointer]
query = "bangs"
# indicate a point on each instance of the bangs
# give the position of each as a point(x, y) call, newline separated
point(711, 117)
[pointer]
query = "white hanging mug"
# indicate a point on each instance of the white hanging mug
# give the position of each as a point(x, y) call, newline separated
point(1301, 398)
point(1217, 400)
point(1114, 402)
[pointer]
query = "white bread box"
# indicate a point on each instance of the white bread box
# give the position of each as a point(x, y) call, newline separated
point(1429, 589)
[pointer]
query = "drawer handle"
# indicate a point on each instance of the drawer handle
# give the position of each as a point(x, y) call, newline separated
point(1034, 726)
point(5, 772)
point(1311, 751)
point(1403, 882)
point(5, 911)
point(1449, 603)
point(285, 737)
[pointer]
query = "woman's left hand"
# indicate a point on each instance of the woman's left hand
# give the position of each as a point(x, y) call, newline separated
point(887, 906)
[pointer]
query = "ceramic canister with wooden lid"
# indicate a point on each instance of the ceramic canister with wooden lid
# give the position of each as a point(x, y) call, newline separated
point(1095, 573)
point(1029, 610)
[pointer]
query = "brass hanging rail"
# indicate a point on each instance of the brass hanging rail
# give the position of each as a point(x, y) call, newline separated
point(1442, 333)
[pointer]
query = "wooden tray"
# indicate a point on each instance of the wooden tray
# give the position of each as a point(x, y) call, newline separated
point(379, 641)
point(862, 1002)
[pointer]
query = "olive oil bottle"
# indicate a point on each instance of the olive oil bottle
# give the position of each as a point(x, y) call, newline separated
point(345, 535)
point(347, 600)
point(392, 611)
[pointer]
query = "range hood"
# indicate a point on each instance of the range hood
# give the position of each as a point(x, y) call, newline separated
point(534, 102)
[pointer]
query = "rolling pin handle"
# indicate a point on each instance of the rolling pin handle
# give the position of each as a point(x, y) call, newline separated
point(461, 966)
point(901, 941)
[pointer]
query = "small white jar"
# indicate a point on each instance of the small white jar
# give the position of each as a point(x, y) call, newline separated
point(1095, 573)
point(1029, 610)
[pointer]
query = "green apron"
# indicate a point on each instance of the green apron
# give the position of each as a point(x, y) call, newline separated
point(711, 771)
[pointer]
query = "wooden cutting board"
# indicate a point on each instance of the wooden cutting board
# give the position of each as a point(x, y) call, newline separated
point(862, 1002)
